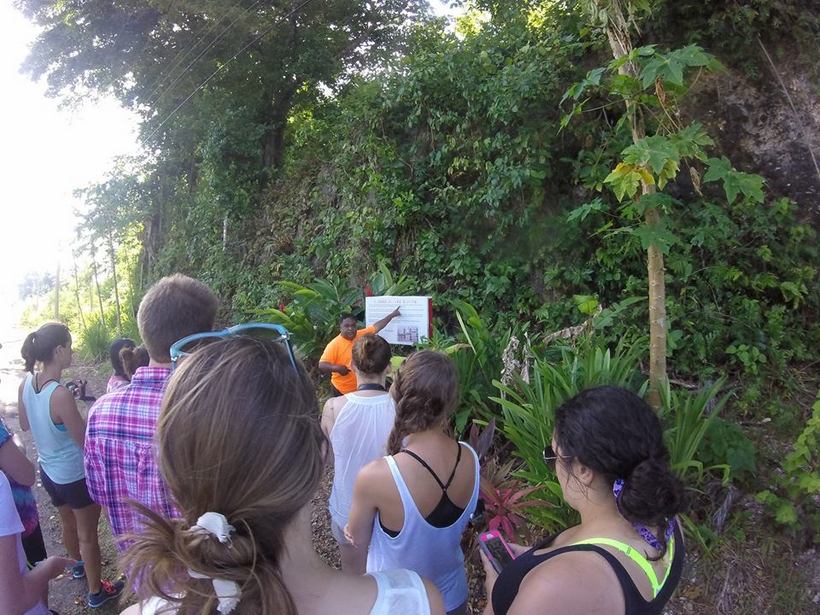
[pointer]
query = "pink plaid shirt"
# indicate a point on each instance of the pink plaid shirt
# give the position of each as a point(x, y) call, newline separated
point(120, 455)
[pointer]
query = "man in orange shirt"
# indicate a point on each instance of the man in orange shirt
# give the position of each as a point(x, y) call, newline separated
point(338, 354)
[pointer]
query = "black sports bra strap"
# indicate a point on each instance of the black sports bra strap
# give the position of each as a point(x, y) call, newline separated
point(424, 463)
point(39, 387)
point(455, 467)
point(443, 486)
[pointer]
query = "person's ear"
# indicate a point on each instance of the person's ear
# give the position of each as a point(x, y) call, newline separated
point(584, 474)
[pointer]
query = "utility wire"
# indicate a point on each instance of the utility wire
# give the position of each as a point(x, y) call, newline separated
point(183, 54)
point(202, 53)
point(231, 59)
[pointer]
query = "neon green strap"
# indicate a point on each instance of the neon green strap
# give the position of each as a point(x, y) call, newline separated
point(636, 557)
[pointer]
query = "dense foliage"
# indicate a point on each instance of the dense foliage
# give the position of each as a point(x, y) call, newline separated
point(492, 163)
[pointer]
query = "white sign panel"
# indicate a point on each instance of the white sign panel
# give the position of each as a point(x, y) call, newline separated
point(414, 324)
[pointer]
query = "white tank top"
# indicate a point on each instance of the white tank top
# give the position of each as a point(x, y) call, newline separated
point(399, 592)
point(57, 453)
point(433, 552)
point(359, 436)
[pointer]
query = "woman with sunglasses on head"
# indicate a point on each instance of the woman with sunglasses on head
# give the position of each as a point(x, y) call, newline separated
point(411, 507)
point(241, 448)
point(48, 409)
point(626, 555)
point(358, 425)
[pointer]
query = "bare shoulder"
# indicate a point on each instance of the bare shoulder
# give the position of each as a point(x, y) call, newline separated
point(553, 588)
point(62, 400)
point(376, 470)
point(62, 395)
point(374, 478)
point(349, 594)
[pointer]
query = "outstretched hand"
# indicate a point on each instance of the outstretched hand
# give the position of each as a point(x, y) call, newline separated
point(56, 565)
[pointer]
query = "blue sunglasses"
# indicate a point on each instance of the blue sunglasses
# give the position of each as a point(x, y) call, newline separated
point(265, 330)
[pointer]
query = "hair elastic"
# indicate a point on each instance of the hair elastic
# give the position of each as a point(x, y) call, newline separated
point(646, 533)
point(227, 592)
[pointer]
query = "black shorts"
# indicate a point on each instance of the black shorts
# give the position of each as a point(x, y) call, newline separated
point(34, 547)
point(75, 494)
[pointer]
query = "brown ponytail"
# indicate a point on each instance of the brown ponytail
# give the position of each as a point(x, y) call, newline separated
point(40, 344)
point(238, 434)
point(425, 390)
point(132, 359)
point(371, 354)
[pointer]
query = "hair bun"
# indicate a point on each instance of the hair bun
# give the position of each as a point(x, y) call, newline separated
point(651, 493)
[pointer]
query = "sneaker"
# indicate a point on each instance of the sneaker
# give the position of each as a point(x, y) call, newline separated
point(78, 570)
point(108, 590)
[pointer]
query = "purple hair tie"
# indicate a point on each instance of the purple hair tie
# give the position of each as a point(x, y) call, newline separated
point(646, 533)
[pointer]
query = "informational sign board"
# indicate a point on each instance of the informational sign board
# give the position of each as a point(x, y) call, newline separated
point(414, 325)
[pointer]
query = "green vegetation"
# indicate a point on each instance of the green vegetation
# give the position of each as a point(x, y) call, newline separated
point(540, 168)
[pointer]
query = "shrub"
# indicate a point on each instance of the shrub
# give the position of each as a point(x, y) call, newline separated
point(95, 340)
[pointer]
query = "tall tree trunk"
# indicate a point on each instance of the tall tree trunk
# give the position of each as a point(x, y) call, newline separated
point(112, 253)
point(620, 42)
point(97, 285)
point(57, 295)
point(273, 153)
point(77, 292)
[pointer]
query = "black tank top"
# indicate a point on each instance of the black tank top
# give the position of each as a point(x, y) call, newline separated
point(445, 513)
point(506, 587)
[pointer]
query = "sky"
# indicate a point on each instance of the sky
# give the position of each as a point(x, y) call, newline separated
point(46, 154)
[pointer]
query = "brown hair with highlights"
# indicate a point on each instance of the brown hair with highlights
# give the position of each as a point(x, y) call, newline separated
point(132, 359)
point(174, 307)
point(371, 354)
point(238, 434)
point(425, 391)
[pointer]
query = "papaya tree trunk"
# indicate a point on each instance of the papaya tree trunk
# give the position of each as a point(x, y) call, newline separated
point(620, 42)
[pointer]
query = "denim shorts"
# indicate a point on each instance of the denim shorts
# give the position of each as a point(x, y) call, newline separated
point(75, 494)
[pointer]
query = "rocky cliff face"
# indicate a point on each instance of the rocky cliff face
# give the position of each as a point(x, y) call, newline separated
point(769, 126)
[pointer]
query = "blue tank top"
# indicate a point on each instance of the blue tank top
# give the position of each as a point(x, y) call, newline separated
point(59, 455)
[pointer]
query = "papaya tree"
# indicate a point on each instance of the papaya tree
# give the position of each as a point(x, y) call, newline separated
point(648, 82)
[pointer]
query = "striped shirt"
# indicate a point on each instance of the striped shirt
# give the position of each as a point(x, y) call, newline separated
point(120, 454)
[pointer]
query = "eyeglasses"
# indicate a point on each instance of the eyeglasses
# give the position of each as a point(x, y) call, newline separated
point(262, 330)
point(550, 456)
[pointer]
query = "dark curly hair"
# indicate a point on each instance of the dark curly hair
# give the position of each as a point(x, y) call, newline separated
point(618, 435)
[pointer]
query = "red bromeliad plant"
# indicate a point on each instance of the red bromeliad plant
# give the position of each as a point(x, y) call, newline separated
point(506, 500)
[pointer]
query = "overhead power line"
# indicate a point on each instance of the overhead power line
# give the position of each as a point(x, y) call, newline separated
point(264, 33)
point(202, 53)
point(183, 53)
